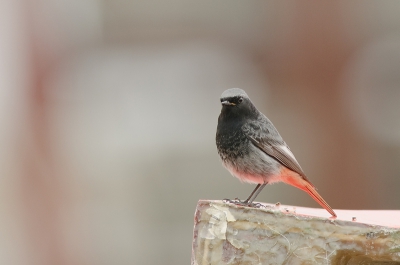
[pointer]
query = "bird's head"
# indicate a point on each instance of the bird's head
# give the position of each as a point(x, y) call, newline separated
point(236, 102)
point(233, 97)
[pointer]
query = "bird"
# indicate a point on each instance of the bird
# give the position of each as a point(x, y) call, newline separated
point(253, 151)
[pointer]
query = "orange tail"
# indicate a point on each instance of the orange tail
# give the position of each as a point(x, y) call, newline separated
point(314, 194)
point(299, 182)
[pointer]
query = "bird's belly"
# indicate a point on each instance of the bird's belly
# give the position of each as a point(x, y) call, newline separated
point(254, 167)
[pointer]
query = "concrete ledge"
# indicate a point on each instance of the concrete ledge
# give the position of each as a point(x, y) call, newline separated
point(225, 233)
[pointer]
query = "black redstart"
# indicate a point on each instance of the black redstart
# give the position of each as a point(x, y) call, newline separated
point(253, 151)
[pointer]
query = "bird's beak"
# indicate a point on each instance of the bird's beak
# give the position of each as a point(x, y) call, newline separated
point(227, 103)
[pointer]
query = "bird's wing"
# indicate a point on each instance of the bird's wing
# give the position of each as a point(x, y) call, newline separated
point(271, 143)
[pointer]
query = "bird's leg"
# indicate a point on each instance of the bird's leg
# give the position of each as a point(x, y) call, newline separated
point(255, 193)
point(252, 193)
point(250, 199)
point(245, 202)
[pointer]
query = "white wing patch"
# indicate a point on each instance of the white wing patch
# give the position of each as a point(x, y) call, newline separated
point(287, 151)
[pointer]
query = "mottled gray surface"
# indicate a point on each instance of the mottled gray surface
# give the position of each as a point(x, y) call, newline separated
point(229, 234)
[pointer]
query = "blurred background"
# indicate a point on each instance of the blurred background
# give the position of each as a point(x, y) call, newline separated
point(108, 112)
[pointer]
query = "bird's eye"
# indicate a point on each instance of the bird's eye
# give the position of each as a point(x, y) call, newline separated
point(240, 100)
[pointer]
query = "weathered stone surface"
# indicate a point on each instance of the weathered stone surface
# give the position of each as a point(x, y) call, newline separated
point(225, 233)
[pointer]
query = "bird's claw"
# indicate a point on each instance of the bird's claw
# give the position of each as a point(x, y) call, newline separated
point(239, 202)
point(236, 201)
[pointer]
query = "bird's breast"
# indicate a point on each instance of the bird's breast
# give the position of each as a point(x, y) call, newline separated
point(244, 160)
point(232, 144)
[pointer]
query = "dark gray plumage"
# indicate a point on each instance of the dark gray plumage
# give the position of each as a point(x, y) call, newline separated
point(252, 149)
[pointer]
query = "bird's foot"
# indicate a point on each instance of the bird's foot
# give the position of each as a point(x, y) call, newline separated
point(236, 201)
point(245, 203)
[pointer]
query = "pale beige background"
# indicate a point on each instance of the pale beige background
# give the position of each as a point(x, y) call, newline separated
point(109, 110)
